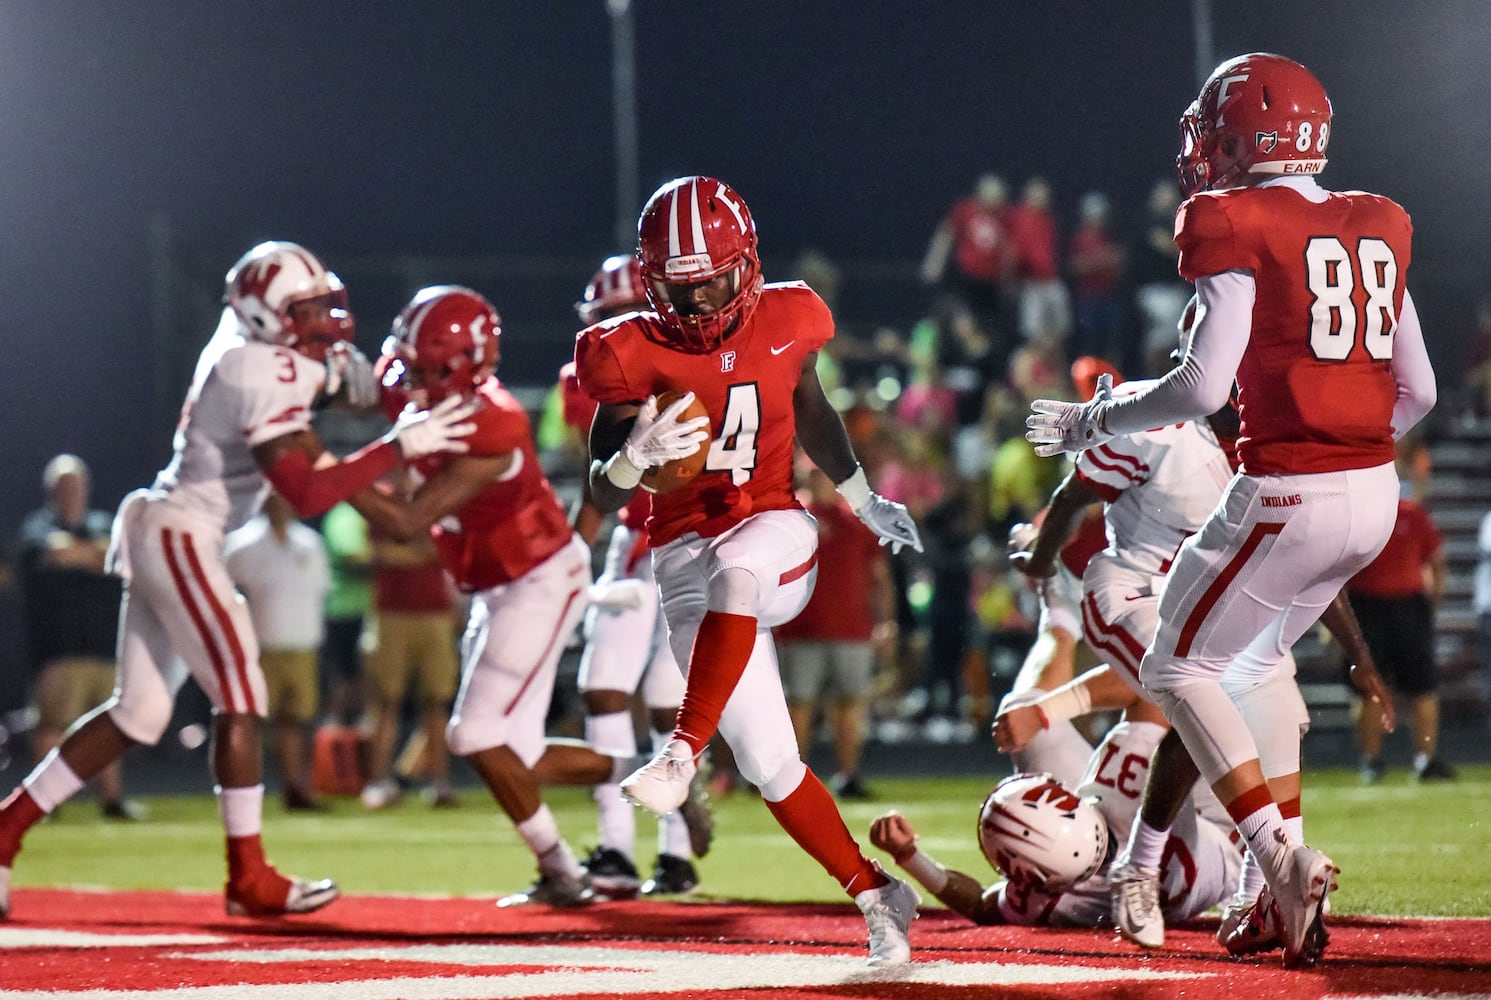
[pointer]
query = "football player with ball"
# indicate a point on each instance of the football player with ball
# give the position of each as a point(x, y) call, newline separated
point(734, 553)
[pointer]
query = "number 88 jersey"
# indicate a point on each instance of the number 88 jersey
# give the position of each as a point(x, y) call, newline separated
point(1316, 391)
point(746, 382)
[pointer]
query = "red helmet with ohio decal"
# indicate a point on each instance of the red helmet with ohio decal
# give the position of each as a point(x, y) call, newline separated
point(1040, 834)
point(615, 289)
point(267, 287)
point(692, 231)
point(444, 343)
point(1258, 113)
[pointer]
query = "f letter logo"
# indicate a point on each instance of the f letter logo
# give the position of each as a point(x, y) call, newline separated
point(727, 361)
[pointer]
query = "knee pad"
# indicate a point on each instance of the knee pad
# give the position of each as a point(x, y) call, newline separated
point(1276, 715)
point(735, 590)
point(611, 734)
point(142, 718)
point(784, 782)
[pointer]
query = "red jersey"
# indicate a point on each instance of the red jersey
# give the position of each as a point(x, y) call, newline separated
point(840, 608)
point(516, 521)
point(1398, 570)
point(1315, 390)
point(746, 384)
point(981, 240)
point(1094, 262)
point(579, 413)
point(1034, 234)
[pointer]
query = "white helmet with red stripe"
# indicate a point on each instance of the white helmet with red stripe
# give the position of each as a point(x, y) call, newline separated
point(615, 289)
point(269, 280)
point(692, 231)
point(1040, 834)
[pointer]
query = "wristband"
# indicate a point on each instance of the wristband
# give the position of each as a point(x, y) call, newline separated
point(855, 489)
point(621, 472)
point(925, 870)
point(1066, 702)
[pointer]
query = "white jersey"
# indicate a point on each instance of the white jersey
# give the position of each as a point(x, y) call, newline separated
point(1159, 485)
point(1200, 865)
point(243, 394)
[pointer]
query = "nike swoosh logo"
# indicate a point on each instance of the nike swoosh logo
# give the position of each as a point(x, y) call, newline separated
point(778, 350)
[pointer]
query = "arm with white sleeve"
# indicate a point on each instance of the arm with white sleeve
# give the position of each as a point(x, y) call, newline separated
point(1198, 386)
point(1410, 366)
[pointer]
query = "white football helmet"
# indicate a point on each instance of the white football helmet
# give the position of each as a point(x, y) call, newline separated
point(1040, 834)
point(271, 278)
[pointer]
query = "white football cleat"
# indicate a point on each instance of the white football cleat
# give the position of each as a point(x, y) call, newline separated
point(4, 892)
point(1301, 896)
point(888, 912)
point(662, 784)
point(1134, 896)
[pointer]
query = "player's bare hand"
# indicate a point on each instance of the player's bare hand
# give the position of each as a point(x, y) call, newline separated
point(894, 834)
point(1014, 728)
point(1367, 681)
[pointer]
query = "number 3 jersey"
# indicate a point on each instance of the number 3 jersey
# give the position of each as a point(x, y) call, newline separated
point(1329, 269)
point(747, 385)
point(244, 393)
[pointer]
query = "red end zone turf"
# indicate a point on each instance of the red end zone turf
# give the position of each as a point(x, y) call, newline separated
point(63, 943)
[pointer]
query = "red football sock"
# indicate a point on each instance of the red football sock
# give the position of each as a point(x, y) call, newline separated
point(245, 857)
point(18, 814)
point(722, 648)
point(811, 818)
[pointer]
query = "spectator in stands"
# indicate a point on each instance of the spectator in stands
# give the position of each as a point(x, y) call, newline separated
point(1481, 601)
point(1045, 308)
point(1159, 292)
point(1394, 598)
point(280, 567)
point(952, 352)
point(1477, 386)
point(974, 237)
point(828, 652)
point(345, 534)
point(1095, 263)
point(413, 645)
point(71, 612)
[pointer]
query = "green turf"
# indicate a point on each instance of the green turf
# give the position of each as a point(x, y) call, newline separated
point(1405, 848)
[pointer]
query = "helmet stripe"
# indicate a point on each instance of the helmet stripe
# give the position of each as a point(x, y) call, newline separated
point(699, 245)
point(673, 248)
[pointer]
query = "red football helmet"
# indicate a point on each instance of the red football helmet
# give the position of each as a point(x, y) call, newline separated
point(1039, 834)
point(269, 280)
point(615, 289)
point(444, 343)
point(693, 230)
point(1258, 113)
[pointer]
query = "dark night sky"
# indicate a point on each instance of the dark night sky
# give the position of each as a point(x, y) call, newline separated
point(483, 127)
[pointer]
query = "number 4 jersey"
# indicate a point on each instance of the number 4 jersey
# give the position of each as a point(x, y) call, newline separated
point(747, 384)
point(1315, 390)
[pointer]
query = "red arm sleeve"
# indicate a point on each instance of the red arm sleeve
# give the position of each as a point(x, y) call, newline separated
point(313, 491)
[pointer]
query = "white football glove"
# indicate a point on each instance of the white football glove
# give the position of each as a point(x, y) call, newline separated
point(440, 428)
point(655, 440)
point(658, 438)
point(617, 596)
point(1056, 427)
point(349, 377)
point(889, 520)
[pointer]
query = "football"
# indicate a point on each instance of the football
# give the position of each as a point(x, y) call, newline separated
point(680, 471)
